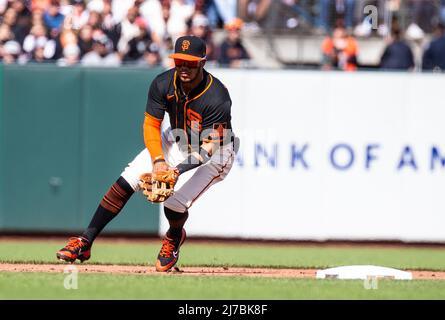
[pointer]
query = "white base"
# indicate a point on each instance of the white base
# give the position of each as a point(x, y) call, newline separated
point(363, 273)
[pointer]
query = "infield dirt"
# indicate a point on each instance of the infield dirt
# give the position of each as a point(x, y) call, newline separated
point(191, 271)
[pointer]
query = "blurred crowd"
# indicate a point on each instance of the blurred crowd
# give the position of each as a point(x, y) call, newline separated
point(115, 32)
point(142, 32)
point(320, 16)
point(342, 22)
point(340, 47)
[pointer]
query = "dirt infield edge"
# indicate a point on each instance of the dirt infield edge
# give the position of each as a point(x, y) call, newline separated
point(189, 271)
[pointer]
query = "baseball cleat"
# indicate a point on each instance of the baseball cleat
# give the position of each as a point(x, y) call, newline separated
point(77, 248)
point(169, 254)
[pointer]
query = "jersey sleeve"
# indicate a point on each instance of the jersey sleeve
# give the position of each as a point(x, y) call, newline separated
point(156, 101)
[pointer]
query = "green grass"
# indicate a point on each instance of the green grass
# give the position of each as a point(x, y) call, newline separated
point(199, 254)
point(170, 287)
point(173, 286)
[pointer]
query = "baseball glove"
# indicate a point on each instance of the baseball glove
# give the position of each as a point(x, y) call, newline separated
point(158, 187)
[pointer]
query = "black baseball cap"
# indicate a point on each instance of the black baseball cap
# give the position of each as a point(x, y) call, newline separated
point(189, 48)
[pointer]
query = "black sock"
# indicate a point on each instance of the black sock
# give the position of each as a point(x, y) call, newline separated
point(176, 221)
point(100, 219)
point(111, 204)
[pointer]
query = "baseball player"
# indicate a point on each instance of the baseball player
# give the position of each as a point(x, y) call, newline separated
point(197, 136)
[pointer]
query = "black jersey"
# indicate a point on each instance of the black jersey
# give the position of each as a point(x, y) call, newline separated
point(205, 109)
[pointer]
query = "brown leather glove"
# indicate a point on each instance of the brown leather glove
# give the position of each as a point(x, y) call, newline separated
point(158, 186)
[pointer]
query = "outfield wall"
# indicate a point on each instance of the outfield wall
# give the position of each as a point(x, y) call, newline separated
point(323, 155)
point(331, 156)
point(65, 136)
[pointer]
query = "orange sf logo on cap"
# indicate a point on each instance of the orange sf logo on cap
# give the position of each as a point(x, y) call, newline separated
point(185, 45)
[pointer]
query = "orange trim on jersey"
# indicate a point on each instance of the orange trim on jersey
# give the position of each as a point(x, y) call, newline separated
point(174, 81)
point(185, 104)
point(210, 83)
point(152, 136)
point(206, 88)
point(176, 96)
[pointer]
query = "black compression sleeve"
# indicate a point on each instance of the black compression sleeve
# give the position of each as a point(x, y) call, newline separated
point(192, 162)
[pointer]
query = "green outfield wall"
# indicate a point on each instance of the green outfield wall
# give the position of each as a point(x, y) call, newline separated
point(66, 134)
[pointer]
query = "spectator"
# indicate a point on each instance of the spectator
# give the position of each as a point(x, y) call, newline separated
point(302, 9)
point(221, 12)
point(71, 55)
point(157, 14)
point(95, 21)
point(111, 28)
point(107, 14)
point(167, 18)
point(423, 12)
point(151, 57)
point(5, 33)
point(340, 51)
point(201, 7)
point(232, 52)
point(38, 54)
point(57, 42)
point(180, 12)
point(23, 22)
point(10, 19)
point(66, 8)
point(21, 9)
point(39, 4)
point(332, 10)
point(140, 43)
point(97, 5)
point(5, 36)
point(120, 8)
point(85, 39)
point(101, 55)
point(165, 49)
point(36, 38)
point(397, 55)
point(129, 30)
point(200, 28)
point(253, 12)
point(79, 15)
point(68, 37)
point(37, 17)
point(434, 55)
point(53, 18)
point(11, 52)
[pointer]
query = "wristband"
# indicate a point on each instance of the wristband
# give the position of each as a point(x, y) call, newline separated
point(159, 160)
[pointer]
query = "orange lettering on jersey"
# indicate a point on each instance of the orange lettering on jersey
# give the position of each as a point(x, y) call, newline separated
point(194, 120)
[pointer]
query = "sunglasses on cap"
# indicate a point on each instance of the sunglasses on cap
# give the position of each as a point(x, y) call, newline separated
point(188, 64)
